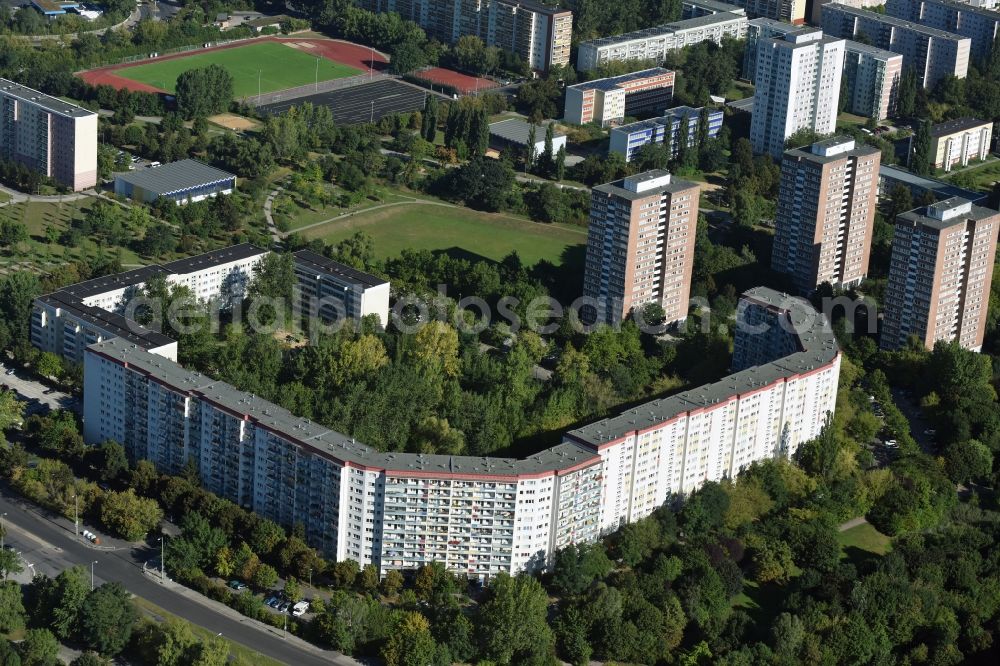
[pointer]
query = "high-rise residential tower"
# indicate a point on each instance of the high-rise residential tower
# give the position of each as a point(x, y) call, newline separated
point(640, 246)
point(55, 138)
point(940, 275)
point(798, 85)
point(932, 54)
point(825, 213)
point(980, 24)
point(540, 34)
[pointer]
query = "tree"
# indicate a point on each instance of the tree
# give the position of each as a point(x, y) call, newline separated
point(11, 412)
point(39, 648)
point(12, 613)
point(687, 152)
point(368, 580)
point(113, 461)
point(436, 346)
point(293, 590)
point(968, 460)
point(560, 168)
point(921, 158)
point(10, 563)
point(411, 644)
point(8, 653)
point(907, 93)
point(128, 515)
point(59, 600)
point(89, 659)
point(12, 232)
point(429, 120)
point(345, 573)
point(392, 583)
point(264, 577)
point(106, 619)
point(511, 621)
point(203, 91)
point(406, 57)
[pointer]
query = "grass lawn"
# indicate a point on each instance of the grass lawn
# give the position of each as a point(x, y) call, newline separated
point(435, 227)
point(279, 67)
point(864, 537)
point(980, 176)
point(37, 252)
point(239, 651)
point(303, 214)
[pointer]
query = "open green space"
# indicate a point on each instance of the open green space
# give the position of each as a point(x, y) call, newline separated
point(276, 67)
point(301, 213)
point(865, 537)
point(430, 226)
point(42, 250)
point(981, 176)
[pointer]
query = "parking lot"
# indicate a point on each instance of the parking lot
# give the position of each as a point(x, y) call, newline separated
point(360, 104)
point(39, 397)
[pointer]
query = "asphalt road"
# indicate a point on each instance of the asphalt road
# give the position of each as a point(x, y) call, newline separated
point(48, 545)
point(359, 104)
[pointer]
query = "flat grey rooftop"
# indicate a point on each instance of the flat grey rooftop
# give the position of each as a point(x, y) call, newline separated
point(304, 432)
point(922, 217)
point(110, 322)
point(617, 188)
point(668, 28)
point(817, 345)
point(108, 283)
point(310, 260)
point(175, 176)
point(958, 125)
point(212, 258)
point(940, 188)
point(614, 82)
point(891, 20)
point(869, 50)
point(47, 102)
point(517, 131)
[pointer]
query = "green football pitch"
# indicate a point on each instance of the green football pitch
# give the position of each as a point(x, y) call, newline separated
point(278, 66)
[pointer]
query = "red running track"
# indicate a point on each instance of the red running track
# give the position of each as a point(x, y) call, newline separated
point(461, 82)
point(344, 53)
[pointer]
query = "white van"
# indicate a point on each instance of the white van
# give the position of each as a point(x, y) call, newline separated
point(300, 608)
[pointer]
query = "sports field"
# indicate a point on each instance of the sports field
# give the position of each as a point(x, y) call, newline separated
point(279, 65)
point(434, 227)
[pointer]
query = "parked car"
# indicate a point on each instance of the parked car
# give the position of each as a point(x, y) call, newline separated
point(300, 608)
point(930, 432)
point(237, 585)
point(274, 602)
point(283, 608)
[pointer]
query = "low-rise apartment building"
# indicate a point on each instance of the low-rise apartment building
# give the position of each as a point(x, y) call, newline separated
point(627, 139)
point(478, 516)
point(655, 43)
point(957, 142)
point(337, 292)
point(607, 101)
point(64, 322)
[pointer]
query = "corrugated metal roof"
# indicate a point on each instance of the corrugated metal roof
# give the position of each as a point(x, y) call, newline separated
point(175, 176)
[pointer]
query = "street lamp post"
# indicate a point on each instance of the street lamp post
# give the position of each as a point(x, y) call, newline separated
point(372, 119)
point(76, 516)
point(3, 531)
point(163, 559)
point(92, 575)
